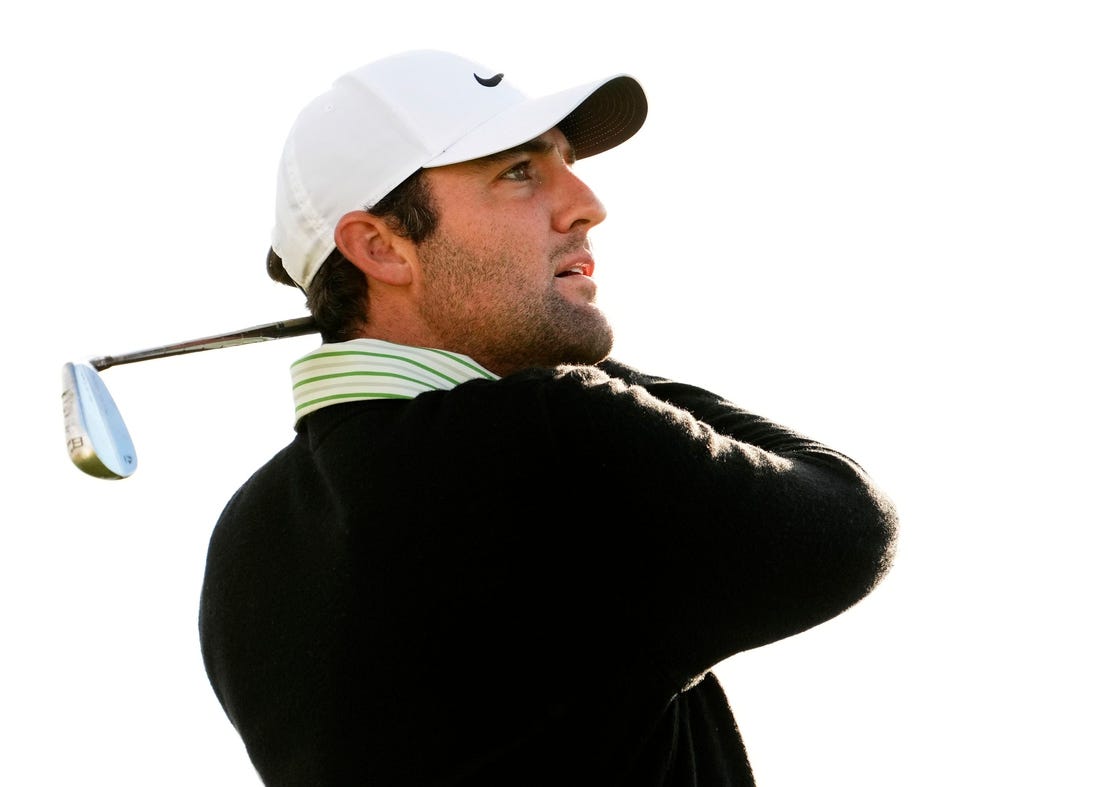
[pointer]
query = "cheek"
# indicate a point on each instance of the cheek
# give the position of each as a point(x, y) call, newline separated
point(503, 253)
point(495, 252)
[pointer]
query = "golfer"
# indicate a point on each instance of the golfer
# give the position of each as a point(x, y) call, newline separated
point(491, 554)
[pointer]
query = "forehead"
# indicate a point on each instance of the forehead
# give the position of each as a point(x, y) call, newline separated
point(552, 142)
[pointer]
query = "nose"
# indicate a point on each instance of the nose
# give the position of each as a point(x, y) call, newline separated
point(578, 206)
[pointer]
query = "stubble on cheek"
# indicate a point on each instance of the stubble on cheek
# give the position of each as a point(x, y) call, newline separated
point(506, 312)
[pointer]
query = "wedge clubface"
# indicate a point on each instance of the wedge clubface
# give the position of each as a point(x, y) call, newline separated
point(95, 434)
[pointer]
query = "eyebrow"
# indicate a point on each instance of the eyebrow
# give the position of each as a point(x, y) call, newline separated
point(538, 145)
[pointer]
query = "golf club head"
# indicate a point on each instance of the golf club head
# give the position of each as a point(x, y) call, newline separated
point(95, 434)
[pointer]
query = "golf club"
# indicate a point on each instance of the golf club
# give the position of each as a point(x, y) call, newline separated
point(95, 434)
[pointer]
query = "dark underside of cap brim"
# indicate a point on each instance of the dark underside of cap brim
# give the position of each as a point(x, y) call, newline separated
point(607, 118)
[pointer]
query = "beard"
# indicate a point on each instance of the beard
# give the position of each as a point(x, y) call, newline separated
point(489, 306)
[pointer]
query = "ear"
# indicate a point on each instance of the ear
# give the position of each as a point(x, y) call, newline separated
point(370, 245)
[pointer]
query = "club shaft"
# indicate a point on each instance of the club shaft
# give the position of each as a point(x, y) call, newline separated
point(284, 329)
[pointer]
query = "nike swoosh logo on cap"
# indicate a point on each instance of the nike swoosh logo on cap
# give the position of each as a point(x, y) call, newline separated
point(491, 81)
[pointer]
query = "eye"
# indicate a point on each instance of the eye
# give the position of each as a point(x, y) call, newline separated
point(520, 171)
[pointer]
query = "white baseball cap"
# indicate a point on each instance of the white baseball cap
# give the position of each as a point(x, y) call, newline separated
point(379, 124)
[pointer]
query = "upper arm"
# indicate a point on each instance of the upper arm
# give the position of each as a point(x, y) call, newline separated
point(727, 534)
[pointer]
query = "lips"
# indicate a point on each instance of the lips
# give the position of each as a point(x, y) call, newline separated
point(575, 267)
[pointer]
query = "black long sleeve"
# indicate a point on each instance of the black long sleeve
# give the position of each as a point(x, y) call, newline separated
point(524, 581)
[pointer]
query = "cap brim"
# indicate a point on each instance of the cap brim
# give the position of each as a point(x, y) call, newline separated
point(594, 118)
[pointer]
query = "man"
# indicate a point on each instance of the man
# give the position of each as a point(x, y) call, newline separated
point(492, 555)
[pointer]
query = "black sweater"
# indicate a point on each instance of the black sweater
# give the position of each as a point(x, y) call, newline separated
point(524, 582)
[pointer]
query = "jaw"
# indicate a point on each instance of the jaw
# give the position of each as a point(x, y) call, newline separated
point(564, 329)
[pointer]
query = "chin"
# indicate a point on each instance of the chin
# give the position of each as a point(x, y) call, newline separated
point(595, 348)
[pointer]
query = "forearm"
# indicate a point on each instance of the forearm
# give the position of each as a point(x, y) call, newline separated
point(727, 419)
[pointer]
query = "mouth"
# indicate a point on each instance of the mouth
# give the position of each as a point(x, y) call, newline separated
point(580, 268)
point(578, 272)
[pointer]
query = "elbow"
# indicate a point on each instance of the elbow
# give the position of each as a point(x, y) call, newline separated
point(872, 534)
point(882, 534)
point(858, 528)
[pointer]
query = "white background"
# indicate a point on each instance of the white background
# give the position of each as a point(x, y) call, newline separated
point(876, 222)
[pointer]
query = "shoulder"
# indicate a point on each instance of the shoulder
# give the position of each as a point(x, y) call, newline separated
point(562, 391)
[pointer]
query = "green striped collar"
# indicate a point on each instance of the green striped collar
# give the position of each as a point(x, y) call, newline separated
point(374, 369)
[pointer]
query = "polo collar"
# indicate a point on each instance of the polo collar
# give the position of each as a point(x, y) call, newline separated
point(374, 369)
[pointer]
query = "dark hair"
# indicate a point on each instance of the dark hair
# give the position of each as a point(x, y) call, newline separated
point(337, 295)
